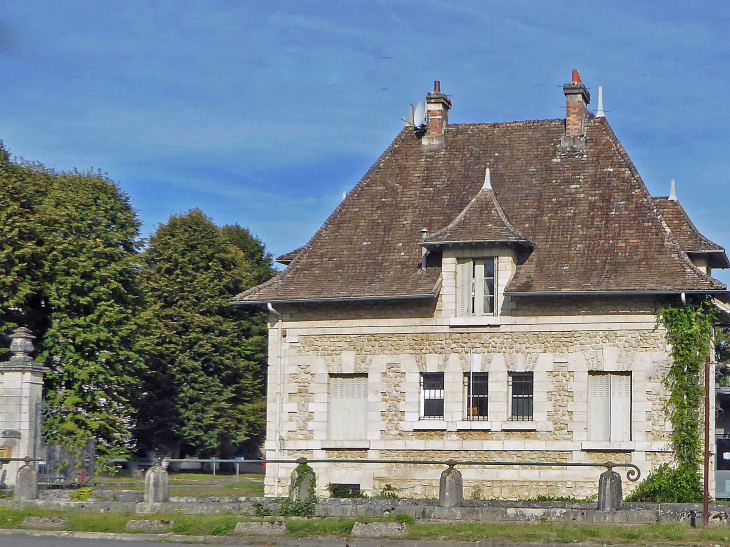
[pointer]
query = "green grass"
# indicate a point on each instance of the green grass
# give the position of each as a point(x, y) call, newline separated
point(239, 490)
point(652, 534)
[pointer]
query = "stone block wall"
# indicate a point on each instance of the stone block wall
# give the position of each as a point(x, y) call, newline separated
point(560, 350)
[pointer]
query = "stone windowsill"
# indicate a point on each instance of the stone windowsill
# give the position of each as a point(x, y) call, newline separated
point(608, 446)
point(432, 425)
point(345, 444)
point(475, 321)
point(519, 426)
point(474, 425)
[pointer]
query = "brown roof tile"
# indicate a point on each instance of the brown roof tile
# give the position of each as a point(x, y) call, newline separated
point(588, 213)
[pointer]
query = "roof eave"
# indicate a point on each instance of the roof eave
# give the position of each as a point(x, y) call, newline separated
point(624, 292)
point(522, 242)
point(335, 299)
point(718, 259)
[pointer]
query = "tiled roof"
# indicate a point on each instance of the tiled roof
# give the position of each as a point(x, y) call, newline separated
point(683, 229)
point(483, 220)
point(588, 214)
point(288, 258)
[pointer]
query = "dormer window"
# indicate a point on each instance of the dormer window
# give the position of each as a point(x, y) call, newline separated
point(476, 282)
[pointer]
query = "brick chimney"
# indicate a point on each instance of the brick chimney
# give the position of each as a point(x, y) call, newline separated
point(577, 100)
point(437, 108)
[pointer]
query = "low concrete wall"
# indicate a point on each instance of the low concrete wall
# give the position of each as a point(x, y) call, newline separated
point(475, 511)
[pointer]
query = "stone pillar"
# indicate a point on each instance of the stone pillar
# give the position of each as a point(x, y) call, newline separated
point(156, 484)
point(302, 482)
point(451, 488)
point(26, 484)
point(21, 393)
point(610, 497)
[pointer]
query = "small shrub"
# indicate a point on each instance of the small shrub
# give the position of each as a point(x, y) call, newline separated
point(669, 485)
point(405, 519)
point(82, 494)
point(223, 528)
point(387, 492)
point(302, 508)
point(261, 511)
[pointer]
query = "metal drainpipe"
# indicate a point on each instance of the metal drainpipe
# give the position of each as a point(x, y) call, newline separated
point(280, 320)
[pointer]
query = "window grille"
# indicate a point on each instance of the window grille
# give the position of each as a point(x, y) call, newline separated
point(476, 386)
point(432, 396)
point(521, 387)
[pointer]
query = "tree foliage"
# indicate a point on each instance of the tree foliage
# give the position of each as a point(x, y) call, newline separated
point(206, 357)
point(68, 245)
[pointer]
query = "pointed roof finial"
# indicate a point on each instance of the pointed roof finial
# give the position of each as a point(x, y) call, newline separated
point(600, 113)
point(673, 193)
point(487, 180)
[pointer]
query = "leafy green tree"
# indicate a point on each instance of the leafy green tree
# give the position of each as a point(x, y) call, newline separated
point(91, 245)
point(206, 357)
point(258, 264)
point(68, 243)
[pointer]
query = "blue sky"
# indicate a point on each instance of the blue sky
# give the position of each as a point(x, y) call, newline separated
point(263, 113)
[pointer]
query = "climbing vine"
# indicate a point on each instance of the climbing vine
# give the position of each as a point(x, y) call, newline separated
point(689, 330)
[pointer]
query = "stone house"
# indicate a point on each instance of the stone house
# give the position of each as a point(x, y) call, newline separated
point(486, 292)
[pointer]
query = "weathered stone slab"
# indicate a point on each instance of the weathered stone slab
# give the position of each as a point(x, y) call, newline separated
point(45, 523)
point(261, 528)
point(610, 497)
point(379, 530)
point(451, 488)
point(156, 485)
point(26, 483)
point(149, 525)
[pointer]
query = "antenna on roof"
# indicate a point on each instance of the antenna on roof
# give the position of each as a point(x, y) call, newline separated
point(673, 193)
point(487, 180)
point(409, 120)
point(600, 113)
point(419, 115)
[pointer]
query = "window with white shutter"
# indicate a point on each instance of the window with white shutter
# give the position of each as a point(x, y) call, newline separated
point(476, 286)
point(609, 406)
point(348, 407)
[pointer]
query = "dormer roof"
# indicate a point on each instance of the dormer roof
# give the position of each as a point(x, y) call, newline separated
point(481, 221)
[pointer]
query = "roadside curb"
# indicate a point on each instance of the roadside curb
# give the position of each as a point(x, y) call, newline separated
point(325, 541)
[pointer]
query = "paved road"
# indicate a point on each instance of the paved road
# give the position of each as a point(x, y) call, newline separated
point(20, 541)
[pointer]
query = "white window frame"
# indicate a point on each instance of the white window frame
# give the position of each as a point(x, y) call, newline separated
point(430, 394)
point(613, 409)
point(469, 396)
point(470, 285)
point(339, 432)
point(510, 377)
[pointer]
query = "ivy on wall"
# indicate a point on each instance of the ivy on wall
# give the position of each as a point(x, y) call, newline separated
point(689, 330)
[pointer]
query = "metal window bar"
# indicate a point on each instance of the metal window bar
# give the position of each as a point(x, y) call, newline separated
point(477, 396)
point(432, 393)
point(521, 384)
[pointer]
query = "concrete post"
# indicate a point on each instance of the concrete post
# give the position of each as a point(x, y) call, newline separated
point(451, 487)
point(157, 484)
point(21, 393)
point(610, 497)
point(26, 484)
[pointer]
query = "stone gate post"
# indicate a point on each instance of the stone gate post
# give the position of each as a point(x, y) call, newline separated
point(21, 392)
